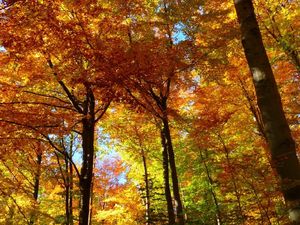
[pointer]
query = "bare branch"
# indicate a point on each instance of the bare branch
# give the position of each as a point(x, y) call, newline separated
point(34, 128)
point(104, 109)
point(47, 96)
point(71, 97)
point(36, 103)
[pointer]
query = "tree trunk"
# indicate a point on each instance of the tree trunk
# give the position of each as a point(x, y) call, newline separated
point(176, 192)
point(68, 181)
point(171, 216)
point(36, 183)
point(92, 196)
point(69, 167)
point(148, 210)
point(86, 175)
point(67, 194)
point(211, 189)
point(71, 189)
point(280, 141)
point(37, 177)
point(240, 216)
point(263, 210)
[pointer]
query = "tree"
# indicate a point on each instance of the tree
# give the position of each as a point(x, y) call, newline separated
point(99, 98)
point(65, 68)
point(280, 141)
point(278, 21)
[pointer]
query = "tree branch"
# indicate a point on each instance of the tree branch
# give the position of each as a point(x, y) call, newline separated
point(104, 109)
point(71, 97)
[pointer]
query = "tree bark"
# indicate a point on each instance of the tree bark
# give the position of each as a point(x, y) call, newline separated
point(71, 188)
point(171, 215)
point(278, 135)
point(148, 209)
point(86, 175)
point(176, 192)
point(67, 194)
point(36, 183)
point(211, 189)
point(70, 180)
point(87, 110)
point(37, 177)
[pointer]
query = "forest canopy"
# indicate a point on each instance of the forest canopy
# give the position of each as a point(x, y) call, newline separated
point(129, 112)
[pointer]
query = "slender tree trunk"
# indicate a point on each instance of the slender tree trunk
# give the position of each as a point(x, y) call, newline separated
point(86, 175)
point(171, 215)
point(291, 53)
point(148, 209)
point(237, 194)
point(263, 210)
point(176, 191)
point(71, 189)
point(146, 179)
point(92, 196)
point(280, 141)
point(67, 206)
point(68, 182)
point(10, 219)
point(36, 184)
point(37, 177)
point(67, 194)
point(69, 165)
point(210, 181)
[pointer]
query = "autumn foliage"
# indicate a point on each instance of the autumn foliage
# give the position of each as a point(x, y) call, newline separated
point(140, 112)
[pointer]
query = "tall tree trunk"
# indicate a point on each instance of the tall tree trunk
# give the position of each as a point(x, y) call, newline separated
point(87, 110)
point(211, 189)
point(280, 141)
point(171, 215)
point(176, 191)
point(240, 215)
point(86, 175)
point(36, 183)
point(67, 194)
point(148, 209)
point(10, 219)
point(68, 181)
point(69, 166)
point(92, 195)
point(71, 188)
point(263, 210)
point(37, 176)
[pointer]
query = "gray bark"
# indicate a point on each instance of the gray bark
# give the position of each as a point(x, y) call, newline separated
point(171, 215)
point(281, 144)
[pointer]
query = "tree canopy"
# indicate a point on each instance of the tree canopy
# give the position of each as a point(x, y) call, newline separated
point(149, 112)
